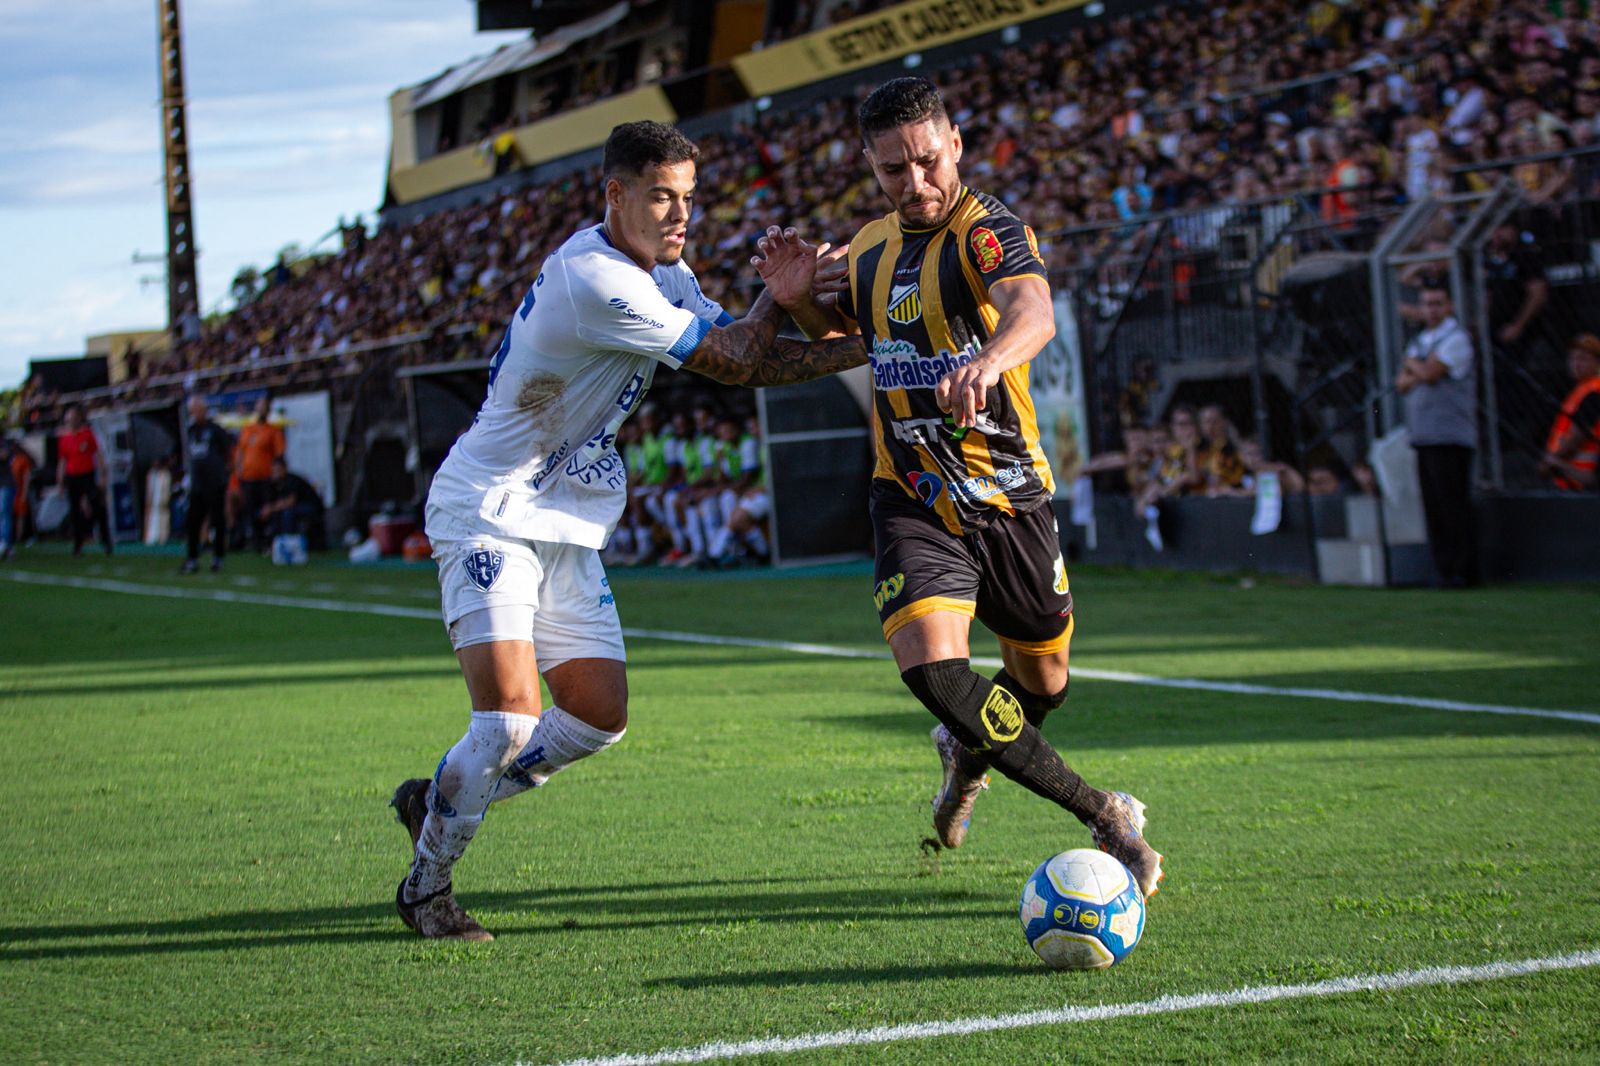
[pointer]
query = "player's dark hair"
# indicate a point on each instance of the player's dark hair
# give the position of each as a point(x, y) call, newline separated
point(897, 103)
point(1434, 286)
point(634, 147)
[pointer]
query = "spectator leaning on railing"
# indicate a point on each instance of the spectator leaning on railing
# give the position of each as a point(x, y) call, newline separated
point(1573, 447)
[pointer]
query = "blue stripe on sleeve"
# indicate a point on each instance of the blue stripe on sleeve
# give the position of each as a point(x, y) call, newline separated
point(690, 340)
point(724, 318)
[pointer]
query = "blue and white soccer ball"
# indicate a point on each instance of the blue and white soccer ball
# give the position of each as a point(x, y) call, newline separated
point(1082, 910)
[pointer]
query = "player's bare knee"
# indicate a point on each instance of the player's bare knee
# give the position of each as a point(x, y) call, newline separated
point(594, 691)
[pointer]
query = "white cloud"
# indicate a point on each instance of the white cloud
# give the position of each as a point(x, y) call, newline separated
point(288, 130)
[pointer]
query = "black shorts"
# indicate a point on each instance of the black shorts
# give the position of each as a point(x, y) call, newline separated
point(1010, 576)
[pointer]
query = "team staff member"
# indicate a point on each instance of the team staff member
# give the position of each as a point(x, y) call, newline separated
point(81, 471)
point(1436, 379)
point(527, 497)
point(1573, 447)
point(207, 450)
point(260, 445)
point(949, 298)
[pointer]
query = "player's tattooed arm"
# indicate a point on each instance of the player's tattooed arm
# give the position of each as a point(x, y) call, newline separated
point(750, 352)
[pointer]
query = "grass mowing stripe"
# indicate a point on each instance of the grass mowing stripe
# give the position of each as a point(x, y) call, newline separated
point(1069, 1015)
point(802, 648)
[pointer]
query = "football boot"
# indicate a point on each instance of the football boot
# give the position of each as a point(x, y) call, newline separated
point(952, 804)
point(1119, 832)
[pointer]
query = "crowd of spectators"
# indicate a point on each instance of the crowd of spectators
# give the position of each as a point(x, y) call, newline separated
point(1183, 106)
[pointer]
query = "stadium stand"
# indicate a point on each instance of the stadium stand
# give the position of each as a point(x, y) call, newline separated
point(1179, 166)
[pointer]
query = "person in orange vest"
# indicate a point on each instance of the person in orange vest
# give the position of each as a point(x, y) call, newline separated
point(260, 443)
point(1573, 447)
point(1339, 205)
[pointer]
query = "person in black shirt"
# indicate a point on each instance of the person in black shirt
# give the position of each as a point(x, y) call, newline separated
point(207, 451)
point(292, 502)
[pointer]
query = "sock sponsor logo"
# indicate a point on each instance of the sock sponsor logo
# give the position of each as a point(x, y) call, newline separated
point(887, 590)
point(483, 566)
point(1001, 716)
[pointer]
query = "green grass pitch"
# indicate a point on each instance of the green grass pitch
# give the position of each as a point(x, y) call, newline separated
point(197, 863)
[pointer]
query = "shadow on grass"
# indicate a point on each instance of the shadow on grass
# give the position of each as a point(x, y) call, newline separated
point(563, 911)
point(849, 975)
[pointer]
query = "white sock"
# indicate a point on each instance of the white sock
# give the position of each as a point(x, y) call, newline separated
point(461, 791)
point(757, 541)
point(674, 527)
point(644, 540)
point(692, 526)
point(719, 542)
point(558, 741)
point(622, 540)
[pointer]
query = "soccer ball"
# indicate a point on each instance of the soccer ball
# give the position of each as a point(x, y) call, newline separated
point(1082, 910)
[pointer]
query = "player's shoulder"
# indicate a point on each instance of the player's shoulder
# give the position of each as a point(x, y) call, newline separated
point(979, 208)
point(872, 234)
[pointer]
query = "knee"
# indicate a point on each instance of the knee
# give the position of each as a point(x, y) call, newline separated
point(1036, 707)
point(610, 716)
point(497, 737)
point(981, 715)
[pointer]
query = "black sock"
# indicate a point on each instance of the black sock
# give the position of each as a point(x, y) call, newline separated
point(989, 721)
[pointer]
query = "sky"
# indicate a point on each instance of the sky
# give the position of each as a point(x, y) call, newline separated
point(288, 131)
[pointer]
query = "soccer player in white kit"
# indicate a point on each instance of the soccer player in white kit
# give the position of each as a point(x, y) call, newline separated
point(528, 495)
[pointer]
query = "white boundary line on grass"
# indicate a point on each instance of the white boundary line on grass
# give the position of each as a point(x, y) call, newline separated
point(1069, 1015)
point(799, 647)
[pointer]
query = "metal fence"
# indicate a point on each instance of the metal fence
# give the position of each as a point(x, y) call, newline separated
point(1292, 316)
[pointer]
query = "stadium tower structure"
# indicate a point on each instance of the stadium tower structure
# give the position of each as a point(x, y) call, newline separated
point(183, 289)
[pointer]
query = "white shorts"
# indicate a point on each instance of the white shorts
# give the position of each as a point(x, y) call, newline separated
point(555, 595)
point(756, 503)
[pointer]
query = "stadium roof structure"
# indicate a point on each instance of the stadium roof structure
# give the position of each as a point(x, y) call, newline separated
point(540, 16)
point(510, 58)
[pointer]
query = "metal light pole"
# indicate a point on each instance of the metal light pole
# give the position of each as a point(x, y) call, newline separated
point(183, 290)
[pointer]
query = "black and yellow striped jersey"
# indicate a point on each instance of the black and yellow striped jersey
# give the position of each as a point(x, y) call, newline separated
point(922, 300)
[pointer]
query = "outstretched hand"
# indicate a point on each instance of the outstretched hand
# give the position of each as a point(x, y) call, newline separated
point(792, 268)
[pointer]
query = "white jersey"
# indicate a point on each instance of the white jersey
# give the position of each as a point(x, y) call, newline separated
point(540, 460)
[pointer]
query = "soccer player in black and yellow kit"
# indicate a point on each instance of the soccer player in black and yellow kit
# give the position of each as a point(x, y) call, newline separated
point(948, 300)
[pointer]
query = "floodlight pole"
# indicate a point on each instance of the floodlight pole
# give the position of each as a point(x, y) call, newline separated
point(183, 290)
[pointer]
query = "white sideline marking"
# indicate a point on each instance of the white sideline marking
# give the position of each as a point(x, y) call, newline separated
point(1069, 1015)
point(193, 592)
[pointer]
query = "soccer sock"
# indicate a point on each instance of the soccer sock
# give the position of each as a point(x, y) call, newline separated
point(622, 540)
point(674, 525)
point(757, 541)
point(692, 528)
point(644, 541)
point(463, 786)
point(719, 542)
point(988, 720)
point(1035, 708)
point(558, 741)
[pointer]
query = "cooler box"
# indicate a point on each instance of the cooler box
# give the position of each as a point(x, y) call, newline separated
point(390, 533)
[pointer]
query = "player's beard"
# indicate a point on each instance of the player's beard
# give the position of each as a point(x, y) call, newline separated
point(938, 212)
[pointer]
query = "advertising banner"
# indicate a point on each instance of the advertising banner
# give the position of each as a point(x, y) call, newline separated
point(1055, 378)
point(887, 34)
point(307, 423)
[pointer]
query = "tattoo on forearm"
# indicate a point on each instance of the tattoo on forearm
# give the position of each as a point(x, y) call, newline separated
point(793, 361)
point(749, 352)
